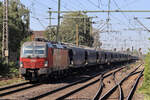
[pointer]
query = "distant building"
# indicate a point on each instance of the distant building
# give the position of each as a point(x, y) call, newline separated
point(38, 34)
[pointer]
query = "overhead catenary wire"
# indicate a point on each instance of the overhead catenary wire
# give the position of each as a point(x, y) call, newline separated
point(120, 21)
point(81, 4)
point(129, 3)
point(125, 24)
point(99, 3)
point(141, 24)
point(33, 12)
point(100, 26)
point(46, 6)
point(93, 4)
point(32, 8)
point(63, 5)
point(122, 13)
point(39, 22)
point(42, 4)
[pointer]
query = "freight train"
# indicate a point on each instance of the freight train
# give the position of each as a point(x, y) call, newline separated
point(42, 58)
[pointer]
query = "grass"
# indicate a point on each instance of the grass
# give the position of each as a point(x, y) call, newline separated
point(145, 88)
point(10, 81)
point(9, 73)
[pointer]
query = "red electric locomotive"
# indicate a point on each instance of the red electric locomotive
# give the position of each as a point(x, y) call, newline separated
point(41, 58)
point(34, 59)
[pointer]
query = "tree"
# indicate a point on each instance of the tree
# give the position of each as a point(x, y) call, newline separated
point(51, 33)
point(68, 29)
point(18, 22)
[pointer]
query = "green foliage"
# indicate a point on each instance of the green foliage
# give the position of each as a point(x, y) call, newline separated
point(68, 29)
point(18, 24)
point(51, 34)
point(11, 81)
point(9, 70)
point(26, 39)
point(145, 89)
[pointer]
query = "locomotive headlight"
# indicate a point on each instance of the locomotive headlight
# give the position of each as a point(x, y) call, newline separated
point(21, 64)
point(46, 64)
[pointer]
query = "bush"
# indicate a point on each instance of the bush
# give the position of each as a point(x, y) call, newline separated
point(145, 89)
point(9, 70)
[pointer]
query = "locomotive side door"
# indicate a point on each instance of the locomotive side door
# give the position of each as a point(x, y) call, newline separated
point(50, 55)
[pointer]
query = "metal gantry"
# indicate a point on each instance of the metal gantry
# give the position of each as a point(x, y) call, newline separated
point(102, 11)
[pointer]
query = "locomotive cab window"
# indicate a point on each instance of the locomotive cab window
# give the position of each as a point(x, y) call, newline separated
point(40, 50)
point(34, 51)
point(28, 50)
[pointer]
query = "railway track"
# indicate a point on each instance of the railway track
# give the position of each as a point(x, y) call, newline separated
point(100, 80)
point(16, 88)
point(118, 85)
point(13, 85)
point(52, 92)
point(63, 88)
point(64, 92)
point(8, 91)
point(69, 91)
point(48, 92)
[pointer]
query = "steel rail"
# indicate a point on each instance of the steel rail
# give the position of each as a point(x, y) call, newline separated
point(13, 85)
point(17, 90)
point(134, 87)
point(67, 86)
point(107, 94)
point(96, 97)
point(93, 82)
point(120, 89)
point(121, 92)
point(76, 90)
point(63, 87)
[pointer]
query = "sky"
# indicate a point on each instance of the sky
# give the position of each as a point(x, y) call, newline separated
point(120, 36)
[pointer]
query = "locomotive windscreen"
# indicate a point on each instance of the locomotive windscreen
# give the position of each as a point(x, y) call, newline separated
point(34, 51)
point(39, 50)
point(28, 50)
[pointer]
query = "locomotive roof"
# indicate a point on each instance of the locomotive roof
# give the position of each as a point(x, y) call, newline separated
point(34, 42)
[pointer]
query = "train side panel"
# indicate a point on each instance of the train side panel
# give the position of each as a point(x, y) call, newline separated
point(78, 57)
point(91, 57)
point(60, 59)
point(50, 57)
